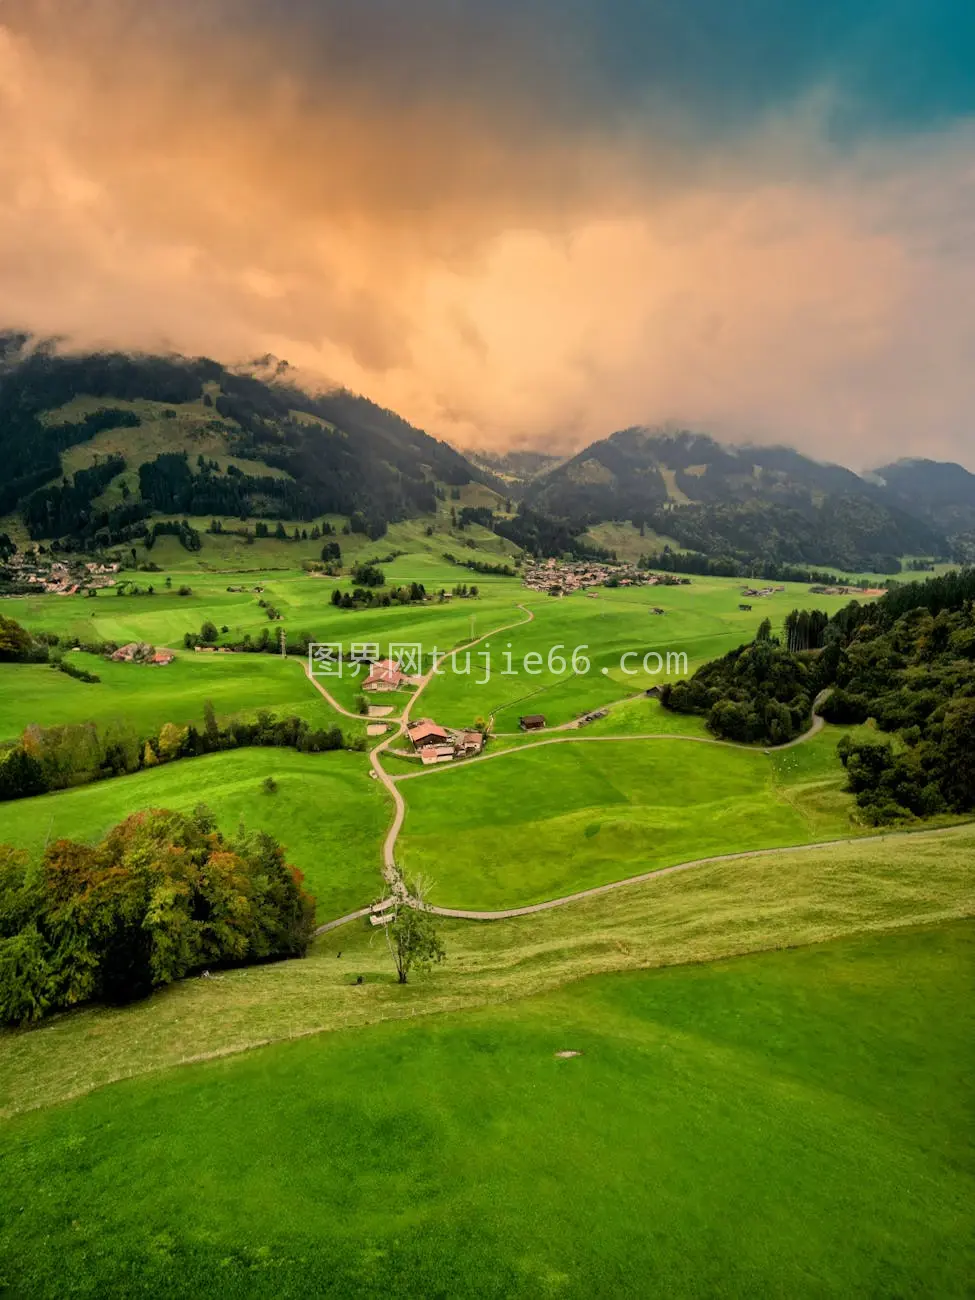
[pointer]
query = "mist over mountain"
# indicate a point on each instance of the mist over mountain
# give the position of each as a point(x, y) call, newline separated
point(96, 444)
point(745, 501)
point(201, 439)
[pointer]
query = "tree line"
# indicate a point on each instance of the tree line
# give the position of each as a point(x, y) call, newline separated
point(906, 662)
point(70, 754)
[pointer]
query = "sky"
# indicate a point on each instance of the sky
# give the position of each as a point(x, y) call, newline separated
point(520, 223)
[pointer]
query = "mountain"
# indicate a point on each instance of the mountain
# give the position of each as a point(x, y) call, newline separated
point(100, 442)
point(516, 468)
point(939, 491)
point(748, 503)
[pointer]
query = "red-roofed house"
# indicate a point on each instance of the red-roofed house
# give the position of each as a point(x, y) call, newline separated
point(426, 732)
point(385, 676)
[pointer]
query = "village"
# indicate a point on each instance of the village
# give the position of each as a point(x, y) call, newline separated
point(563, 577)
point(41, 573)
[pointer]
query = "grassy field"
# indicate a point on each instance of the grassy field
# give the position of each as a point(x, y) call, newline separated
point(789, 1124)
point(148, 696)
point(710, 913)
point(700, 622)
point(541, 822)
point(329, 815)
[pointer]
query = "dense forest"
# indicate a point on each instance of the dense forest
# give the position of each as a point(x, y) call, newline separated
point(760, 692)
point(906, 662)
point(161, 896)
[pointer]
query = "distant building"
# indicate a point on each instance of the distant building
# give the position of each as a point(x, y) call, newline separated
point(135, 652)
point(532, 722)
point(436, 754)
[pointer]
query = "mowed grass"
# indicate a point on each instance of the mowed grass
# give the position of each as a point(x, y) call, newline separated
point(303, 601)
point(541, 822)
point(147, 696)
point(713, 912)
point(794, 1123)
point(327, 813)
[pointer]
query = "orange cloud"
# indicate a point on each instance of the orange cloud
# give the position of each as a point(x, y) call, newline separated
point(488, 270)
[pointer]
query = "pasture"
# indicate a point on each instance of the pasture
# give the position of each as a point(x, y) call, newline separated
point(327, 813)
point(789, 1123)
point(147, 696)
point(701, 622)
point(544, 821)
point(782, 900)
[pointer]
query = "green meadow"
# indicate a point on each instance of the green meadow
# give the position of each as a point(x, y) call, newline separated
point(700, 621)
point(328, 814)
point(790, 1123)
point(547, 820)
point(779, 901)
point(148, 696)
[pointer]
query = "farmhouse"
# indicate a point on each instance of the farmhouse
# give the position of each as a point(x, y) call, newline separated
point(426, 733)
point(469, 742)
point(163, 657)
point(386, 676)
point(436, 754)
point(532, 722)
point(135, 652)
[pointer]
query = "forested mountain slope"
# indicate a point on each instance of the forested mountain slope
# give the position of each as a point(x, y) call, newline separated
point(190, 436)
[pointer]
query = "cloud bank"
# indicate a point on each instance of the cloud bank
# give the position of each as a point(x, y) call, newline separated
point(516, 224)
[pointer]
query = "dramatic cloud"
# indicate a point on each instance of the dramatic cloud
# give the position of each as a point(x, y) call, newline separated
point(514, 223)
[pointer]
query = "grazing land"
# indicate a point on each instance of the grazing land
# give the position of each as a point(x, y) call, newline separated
point(715, 911)
point(747, 1077)
point(147, 696)
point(327, 813)
point(750, 1127)
point(603, 810)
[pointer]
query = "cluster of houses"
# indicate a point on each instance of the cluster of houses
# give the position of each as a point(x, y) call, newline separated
point(562, 577)
point(141, 652)
point(58, 577)
point(436, 744)
point(848, 591)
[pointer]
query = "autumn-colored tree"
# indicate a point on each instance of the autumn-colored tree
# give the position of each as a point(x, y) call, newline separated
point(162, 895)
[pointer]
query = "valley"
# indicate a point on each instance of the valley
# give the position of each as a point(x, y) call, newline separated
point(679, 936)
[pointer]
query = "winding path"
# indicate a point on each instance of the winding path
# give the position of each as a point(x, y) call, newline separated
point(391, 872)
point(818, 723)
point(390, 869)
